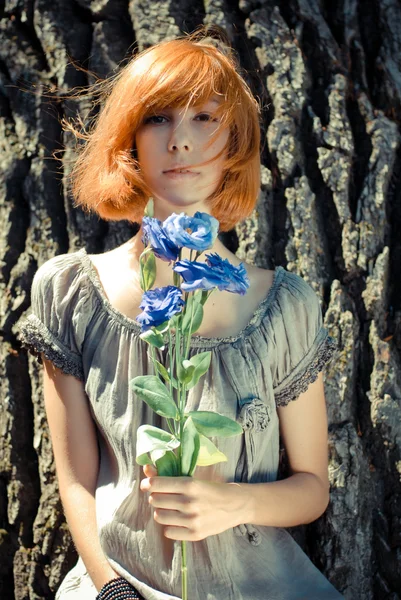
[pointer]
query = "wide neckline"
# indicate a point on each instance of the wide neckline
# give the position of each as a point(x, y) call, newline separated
point(196, 340)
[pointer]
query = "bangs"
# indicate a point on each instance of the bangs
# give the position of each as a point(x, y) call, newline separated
point(190, 75)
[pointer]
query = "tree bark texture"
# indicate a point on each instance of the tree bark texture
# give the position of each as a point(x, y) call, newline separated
point(328, 76)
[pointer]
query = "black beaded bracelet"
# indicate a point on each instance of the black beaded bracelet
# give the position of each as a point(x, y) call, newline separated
point(118, 589)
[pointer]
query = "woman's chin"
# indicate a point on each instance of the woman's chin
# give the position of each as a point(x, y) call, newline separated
point(183, 202)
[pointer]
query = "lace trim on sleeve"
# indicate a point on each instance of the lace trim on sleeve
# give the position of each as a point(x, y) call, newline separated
point(301, 384)
point(36, 339)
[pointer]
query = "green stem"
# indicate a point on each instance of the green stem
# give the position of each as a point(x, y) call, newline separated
point(172, 431)
point(153, 356)
point(190, 327)
point(192, 303)
point(177, 358)
point(170, 354)
point(152, 351)
point(172, 359)
point(181, 405)
point(184, 571)
point(180, 446)
point(183, 399)
point(177, 362)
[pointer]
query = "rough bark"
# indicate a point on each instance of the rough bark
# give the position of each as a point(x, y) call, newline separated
point(329, 77)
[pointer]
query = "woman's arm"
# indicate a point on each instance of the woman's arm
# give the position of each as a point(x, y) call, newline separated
point(303, 497)
point(193, 509)
point(76, 455)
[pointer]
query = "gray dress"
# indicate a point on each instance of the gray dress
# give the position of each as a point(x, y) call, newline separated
point(269, 363)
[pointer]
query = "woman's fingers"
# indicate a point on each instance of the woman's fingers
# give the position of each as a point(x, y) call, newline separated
point(170, 501)
point(169, 485)
point(192, 509)
point(179, 533)
point(150, 471)
point(171, 517)
point(178, 526)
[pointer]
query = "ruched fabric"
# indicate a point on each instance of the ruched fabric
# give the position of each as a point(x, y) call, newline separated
point(267, 364)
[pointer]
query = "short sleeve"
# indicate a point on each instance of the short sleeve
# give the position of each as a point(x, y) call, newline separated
point(303, 345)
point(58, 315)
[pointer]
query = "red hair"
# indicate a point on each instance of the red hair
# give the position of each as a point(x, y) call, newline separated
point(106, 178)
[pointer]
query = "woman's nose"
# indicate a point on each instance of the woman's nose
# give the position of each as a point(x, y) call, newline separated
point(180, 139)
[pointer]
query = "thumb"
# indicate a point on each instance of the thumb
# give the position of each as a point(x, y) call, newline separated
point(150, 471)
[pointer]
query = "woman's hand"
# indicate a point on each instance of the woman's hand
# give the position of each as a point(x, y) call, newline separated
point(192, 509)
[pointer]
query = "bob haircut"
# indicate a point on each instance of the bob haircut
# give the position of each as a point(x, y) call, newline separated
point(106, 178)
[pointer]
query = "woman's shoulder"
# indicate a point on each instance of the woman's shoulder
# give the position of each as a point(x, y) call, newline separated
point(59, 268)
point(60, 311)
point(61, 284)
point(288, 287)
point(290, 304)
point(62, 280)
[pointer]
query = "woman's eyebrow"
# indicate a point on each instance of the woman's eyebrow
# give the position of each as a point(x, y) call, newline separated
point(216, 103)
point(215, 99)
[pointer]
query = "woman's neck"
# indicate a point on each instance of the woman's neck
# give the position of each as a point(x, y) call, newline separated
point(135, 248)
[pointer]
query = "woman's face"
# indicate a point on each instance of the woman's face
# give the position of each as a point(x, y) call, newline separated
point(170, 140)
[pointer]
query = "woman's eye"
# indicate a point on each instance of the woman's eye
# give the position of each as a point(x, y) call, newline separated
point(155, 119)
point(206, 118)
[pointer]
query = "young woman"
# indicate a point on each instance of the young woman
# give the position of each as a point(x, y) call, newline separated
point(180, 124)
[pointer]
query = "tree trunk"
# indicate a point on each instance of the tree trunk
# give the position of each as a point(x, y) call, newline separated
point(328, 76)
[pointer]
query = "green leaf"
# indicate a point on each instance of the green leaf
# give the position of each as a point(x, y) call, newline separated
point(196, 320)
point(195, 455)
point(163, 371)
point(213, 424)
point(205, 296)
point(185, 371)
point(149, 209)
point(149, 271)
point(201, 362)
point(142, 281)
point(201, 296)
point(165, 374)
point(152, 338)
point(162, 328)
point(157, 454)
point(189, 447)
point(173, 321)
point(155, 394)
point(167, 466)
point(150, 439)
point(208, 453)
point(144, 459)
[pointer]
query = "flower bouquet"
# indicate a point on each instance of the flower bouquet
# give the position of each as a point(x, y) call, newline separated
point(185, 443)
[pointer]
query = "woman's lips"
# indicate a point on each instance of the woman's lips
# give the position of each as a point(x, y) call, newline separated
point(180, 174)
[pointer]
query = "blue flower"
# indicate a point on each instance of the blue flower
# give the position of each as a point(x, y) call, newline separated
point(159, 305)
point(154, 234)
point(203, 229)
point(216, 273)
point(237, 278)
point(197, 275)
